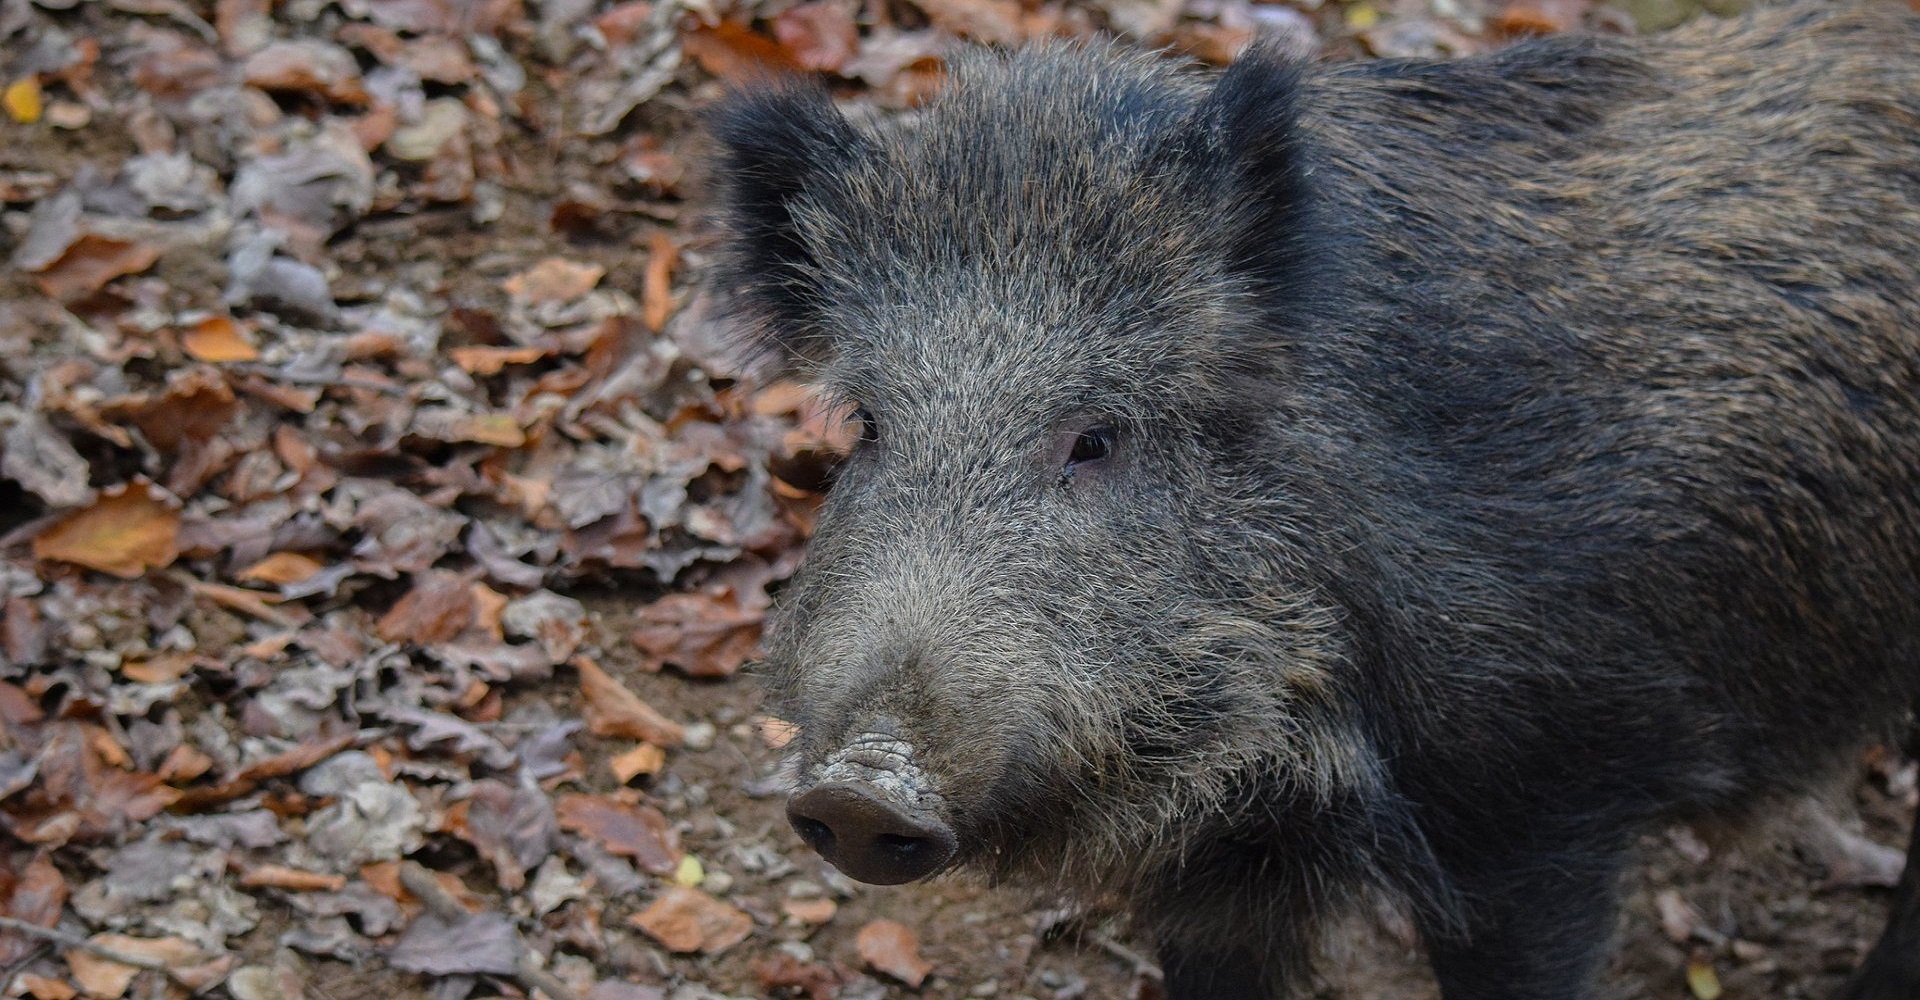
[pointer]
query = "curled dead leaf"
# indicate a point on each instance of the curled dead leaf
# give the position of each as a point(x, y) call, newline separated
point(218, 339)
point(688, 920)
point(890, 948)
point(623, 827)
point(130, 529)
point(280, 569)
point(293, 879)
point(612, 710)
point(554, 280)
point(813, 912)
point(90, 262)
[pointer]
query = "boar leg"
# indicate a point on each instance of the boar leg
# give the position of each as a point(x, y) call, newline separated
point(1235, 975)
point(1542, 934)
point(1892, 969)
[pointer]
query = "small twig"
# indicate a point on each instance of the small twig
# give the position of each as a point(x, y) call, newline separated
point(75, 941)
point(1142, 965)
point(441, 903)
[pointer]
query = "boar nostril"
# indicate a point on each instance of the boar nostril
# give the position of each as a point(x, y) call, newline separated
point(818, 835)
point(868, 837)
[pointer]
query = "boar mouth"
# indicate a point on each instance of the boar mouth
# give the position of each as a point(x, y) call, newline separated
point(872, 814)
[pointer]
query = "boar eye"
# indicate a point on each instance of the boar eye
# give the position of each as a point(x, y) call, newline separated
point(869, 427)
point(1094, 444)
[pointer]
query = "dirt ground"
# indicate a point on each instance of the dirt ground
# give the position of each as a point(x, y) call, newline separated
point(1758, 916)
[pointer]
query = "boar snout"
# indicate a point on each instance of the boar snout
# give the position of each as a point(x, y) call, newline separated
point(867, 837)
point(872, 814)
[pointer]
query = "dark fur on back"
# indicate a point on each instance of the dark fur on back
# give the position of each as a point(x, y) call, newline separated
point(1516, 451)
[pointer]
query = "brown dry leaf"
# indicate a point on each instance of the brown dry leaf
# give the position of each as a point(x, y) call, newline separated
point(90, 262)
point(656, 289)
point(702, 635)
point(438, 608)
point(998, 22)
point(889, 947)
point(732, 51)
point(781, 973)
point(218, 339)
point(306, 66)
point(612, 710)
point(383, 877)
point(197, 404)
point(34, 895)
point(294, 879)
point(643, 759)
point(42, 988)
point(106, 979)
point(281, 568)
point(813, 912)
point(1540, 17)
point(555, 279)
point(440, 59)
point(688, 920)
point(623, 827)
point(183, 764)
point(491, 360)
point(128, 530)
point(821, 35)
point(499, 429)
point(159, 668)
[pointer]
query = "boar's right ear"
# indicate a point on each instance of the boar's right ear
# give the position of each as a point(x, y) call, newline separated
point(778, 141)
point(1255, 161)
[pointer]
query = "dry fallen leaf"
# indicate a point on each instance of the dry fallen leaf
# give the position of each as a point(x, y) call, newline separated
point(1702, 982)
point(889, 947)
point(34, 895)
point(701, 634)
point(306, 66)
point(218, 339)
point(43, 988)
point(733, 52)
point(23, 100)
point(127, 531)
point(105, 979)
point(814, 912)
point(821, 35)
point(688, 920)
point(554, 280)
point(90, 262)
point(491, 360)
point(623, 827)
point(280, 569)
point(656, 289)
point(294, 879)
point(612, 710)
point(439, 607)
point(643, 759)
point(780, 974)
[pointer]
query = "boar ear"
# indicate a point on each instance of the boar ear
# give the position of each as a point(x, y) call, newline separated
point(778, 142)
point(1256, 165)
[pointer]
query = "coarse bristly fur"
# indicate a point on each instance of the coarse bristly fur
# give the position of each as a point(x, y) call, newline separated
point(1507, 454)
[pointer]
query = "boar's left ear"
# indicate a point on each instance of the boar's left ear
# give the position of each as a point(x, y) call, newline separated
point(1255, 160)
point(778, 142)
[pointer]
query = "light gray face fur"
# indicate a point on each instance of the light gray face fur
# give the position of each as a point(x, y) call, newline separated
point(1056, 648)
